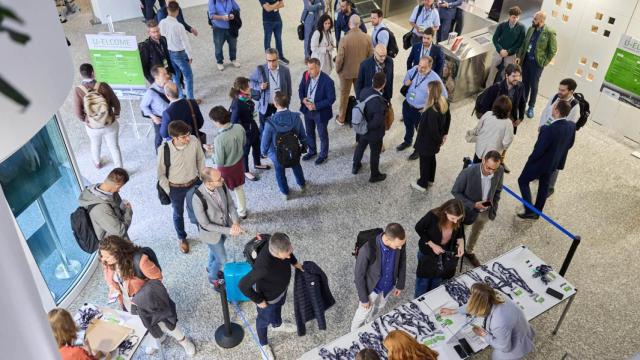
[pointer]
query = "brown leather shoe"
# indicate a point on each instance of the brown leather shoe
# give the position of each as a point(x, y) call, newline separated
point(472, 259)
point(184, 246)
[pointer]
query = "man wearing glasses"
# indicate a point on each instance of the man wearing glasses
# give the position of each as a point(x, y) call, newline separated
point(266, 80)
point(479, 187)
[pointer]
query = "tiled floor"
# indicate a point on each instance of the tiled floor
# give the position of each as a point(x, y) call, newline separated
point(596, 197)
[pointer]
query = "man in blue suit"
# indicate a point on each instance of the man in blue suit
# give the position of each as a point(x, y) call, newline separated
point(379, 62)
point(427, 48)
point(549, 153)
point(317, 95)
point(447, 11)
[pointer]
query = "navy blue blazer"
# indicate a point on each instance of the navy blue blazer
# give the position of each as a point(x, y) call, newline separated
point(324, 98)
point(342, 24)
point(436, 54)
point(551, 148)
point(179, 110)
point(365, 76)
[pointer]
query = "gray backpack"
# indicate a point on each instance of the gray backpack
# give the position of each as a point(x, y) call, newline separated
point(358, 120)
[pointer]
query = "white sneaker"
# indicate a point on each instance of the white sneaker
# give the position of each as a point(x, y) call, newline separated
point(266, 349)
point(236, 63)
point(188, 346)
point(154, 345)
point(150, 350)
point(418, 187)
point(285, 197)
point(220, 67)
point(285, 327)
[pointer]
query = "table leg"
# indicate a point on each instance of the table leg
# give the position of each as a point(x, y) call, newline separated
point(564, 313)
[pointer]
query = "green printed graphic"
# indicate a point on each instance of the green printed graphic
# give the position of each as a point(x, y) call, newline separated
point(118, 67)
point(624, 71)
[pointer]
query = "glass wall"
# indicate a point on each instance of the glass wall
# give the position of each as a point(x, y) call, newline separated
point(42, 191)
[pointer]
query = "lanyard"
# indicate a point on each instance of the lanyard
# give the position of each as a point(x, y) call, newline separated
point(425, 14)
point(421, 81)
point(224, 7)
point(276, 80)
point(312, 87)
point(379, 68)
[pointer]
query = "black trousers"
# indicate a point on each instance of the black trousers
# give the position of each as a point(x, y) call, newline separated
point(254, 148)
point(375, 148)
point(427, 169)
point(271, 109)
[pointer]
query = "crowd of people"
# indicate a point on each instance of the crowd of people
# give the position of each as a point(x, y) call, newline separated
point(260, 123)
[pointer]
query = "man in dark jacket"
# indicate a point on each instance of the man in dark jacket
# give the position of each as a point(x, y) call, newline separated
point(154, 51)
point(374, 114)
point(507, 40)
point(311, 296)
point(347, 10)
point(549, 153)
point(380, 270)
point(479, 187)
point(180, 109)
point(427, 48)
point(510, 86)
point(379, 62)
point(266, 285)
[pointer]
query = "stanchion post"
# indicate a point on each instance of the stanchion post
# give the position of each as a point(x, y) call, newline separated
point(227, 335)
point(569, 257)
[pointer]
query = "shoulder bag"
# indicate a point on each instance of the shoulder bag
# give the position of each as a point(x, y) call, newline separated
point(199, 134)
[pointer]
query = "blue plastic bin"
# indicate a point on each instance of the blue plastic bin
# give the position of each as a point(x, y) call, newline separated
point(233, 273)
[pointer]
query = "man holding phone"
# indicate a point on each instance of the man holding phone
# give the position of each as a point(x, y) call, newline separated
point(479, 187)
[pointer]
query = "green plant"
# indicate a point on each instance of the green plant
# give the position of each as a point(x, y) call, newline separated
point(21, 38)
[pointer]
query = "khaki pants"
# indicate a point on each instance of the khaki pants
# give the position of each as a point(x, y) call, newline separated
point(364, 316)
point(476, 229)
point(345, 90)
point(493, 69)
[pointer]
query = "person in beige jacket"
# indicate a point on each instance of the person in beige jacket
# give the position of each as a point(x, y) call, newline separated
point(354, 48)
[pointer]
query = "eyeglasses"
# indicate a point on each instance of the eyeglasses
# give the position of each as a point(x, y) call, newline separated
point(272, 60)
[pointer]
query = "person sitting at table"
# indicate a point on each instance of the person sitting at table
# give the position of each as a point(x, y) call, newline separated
point(128, 268)
point(505, 327)
point(65, 331)
point(402, 346)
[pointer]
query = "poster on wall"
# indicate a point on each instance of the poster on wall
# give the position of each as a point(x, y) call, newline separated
point(622, 80)
point(116, 60)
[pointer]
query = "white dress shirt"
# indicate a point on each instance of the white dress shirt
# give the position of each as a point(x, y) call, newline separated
point(486, 184)
point(177, 38)
point(547, 119)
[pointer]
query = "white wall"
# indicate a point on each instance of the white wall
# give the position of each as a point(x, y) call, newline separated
point(127, 9)
point(584, 53)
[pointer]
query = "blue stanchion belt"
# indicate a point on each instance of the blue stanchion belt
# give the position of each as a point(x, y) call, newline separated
point(248, 326)
point(538, 212)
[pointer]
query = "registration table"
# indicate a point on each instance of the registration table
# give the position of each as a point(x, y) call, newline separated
point(513, 273)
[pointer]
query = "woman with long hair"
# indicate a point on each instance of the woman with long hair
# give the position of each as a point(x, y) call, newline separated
point(494, 130)
point(65, 331)
point(402, 346)
point(243, 113)
point(323, 43)
point(441, 245)
point(432, 133)
point(505, 328)
point(312, 11)
point(130, 269)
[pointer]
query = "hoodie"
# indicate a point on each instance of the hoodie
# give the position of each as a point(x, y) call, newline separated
point(109, 216)
point(280, 122)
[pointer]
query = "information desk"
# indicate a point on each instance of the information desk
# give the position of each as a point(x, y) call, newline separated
point(511, 273)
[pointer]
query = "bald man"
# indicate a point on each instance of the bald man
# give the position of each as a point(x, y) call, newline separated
point(180, 109)
point(353, 49)
point(537, 51)
point(379, 62)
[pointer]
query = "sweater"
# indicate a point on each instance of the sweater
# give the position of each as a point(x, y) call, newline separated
point(311, 296)
point(154, 305)
point(270, 275)
point(243, 113)
point(185, 164)
point(74, 353)
point(492, 134)
point(229, 145)
point(134, 284)
point(508, 38)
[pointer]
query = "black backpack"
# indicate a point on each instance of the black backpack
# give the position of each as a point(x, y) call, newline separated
point(351, 103)
point(392, 45)
point(82, 229)
point(136, 261)
point(479, 100)
point(364, 237)
point(585, 108)
point(288, 148)
point(254, 246)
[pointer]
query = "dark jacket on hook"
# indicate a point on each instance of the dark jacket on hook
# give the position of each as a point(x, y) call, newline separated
point(312, 296)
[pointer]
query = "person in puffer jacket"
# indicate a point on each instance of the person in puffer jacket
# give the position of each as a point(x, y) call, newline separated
point(311, 296)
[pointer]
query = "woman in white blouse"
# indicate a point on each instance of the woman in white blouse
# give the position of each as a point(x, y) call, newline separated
point(323, 43)
point(494, 130)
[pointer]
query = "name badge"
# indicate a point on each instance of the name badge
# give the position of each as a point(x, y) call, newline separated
point(165, 63)
point(412, 95)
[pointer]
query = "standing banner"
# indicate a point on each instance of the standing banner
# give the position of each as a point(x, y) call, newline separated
point(116, 60)
point(622, 80)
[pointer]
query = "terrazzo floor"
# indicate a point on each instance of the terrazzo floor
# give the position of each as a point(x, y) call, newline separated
point(596, 197)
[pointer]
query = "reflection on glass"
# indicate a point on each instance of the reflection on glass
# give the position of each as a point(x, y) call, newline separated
point(42, 190)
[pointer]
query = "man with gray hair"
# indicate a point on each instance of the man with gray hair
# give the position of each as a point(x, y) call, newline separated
point(183, 109)
point(266, 80)
point(271, 276)
point(353, 49)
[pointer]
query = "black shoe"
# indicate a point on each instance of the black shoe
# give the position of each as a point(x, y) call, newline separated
point(550, 192)
point(472, 259)
point(355, 169)
point(377, 178)
point(284, 60)
point(320, 160)
point(402, 146)
point(414, 156)
point(308, 156)
point(528, 216)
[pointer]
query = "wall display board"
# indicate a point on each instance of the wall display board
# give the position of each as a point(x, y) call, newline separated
point(622, 80)
point(116, 60)
point(513, 274)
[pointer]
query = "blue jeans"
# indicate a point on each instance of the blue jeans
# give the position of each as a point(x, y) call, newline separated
point(217, 258)
point(178, 196)
point(531, 73)
point(219, 37)
point(411, 117)
point(312, 121)
point(275, 28)
point(281, 177)
point(424, 285)
point(180, 62)
point(271, 315)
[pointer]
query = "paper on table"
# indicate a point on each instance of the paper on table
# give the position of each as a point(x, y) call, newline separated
point(105, 336)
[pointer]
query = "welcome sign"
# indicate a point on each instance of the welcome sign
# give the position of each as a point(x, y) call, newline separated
point(116, 60)
point(622, 80)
